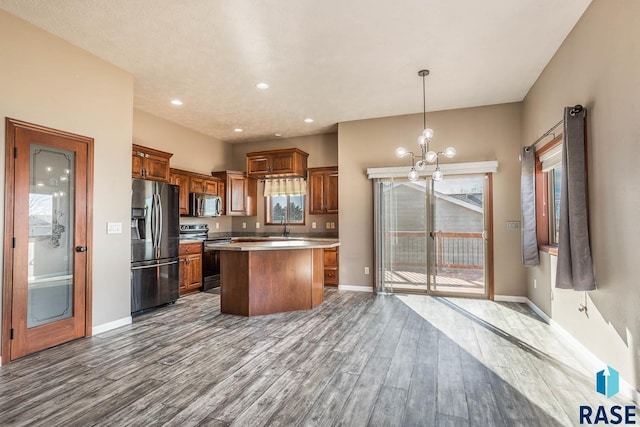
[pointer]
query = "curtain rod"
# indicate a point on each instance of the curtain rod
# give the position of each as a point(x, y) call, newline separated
point(574, 110)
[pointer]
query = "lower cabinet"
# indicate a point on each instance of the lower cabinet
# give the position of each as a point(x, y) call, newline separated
point(190, 267)
point(331, 270)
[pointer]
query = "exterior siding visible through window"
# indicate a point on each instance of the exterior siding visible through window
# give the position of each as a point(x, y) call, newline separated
point(285, 209)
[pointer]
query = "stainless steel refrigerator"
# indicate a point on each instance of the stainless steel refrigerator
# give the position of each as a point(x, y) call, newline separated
point(155, 235)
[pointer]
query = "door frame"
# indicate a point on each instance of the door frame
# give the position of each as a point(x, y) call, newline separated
point(11, 125)
point(382, 173)
point(487, 246)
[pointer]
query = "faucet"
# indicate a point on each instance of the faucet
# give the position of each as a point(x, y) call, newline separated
point(285, 232)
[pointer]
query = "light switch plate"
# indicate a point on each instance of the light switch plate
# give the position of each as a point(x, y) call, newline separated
point(513, 225)
point(114, 228)
point(313, 224)
point(257, 225)
point(244, 225)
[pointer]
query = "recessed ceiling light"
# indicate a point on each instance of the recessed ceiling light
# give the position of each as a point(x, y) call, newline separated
point(238, 130)
point(176, 102)
point(262, 85)
point(277, 134)
point(308, 120)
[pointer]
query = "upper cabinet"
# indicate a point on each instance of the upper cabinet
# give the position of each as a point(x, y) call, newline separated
point(191, 182)
point(323, 190)
point(241, 193)
point(277, 163)
point(148, 163)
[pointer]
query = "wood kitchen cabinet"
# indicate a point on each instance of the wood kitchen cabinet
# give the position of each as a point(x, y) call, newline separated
point(241, 195)
point(190, 267)
point(323, 190)
point(331, 270)
point(191, 182)
point(277, 163)
point(149, 163)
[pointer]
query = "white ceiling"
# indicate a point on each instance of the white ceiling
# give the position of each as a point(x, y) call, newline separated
point(331, 60)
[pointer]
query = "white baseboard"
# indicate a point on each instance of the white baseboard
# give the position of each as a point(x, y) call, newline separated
point(538, 311)
point(354, 288)
point(626, 389)
point(509, 298)
point(111, 325)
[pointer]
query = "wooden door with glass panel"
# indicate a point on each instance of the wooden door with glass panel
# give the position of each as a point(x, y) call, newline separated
point(45, 295)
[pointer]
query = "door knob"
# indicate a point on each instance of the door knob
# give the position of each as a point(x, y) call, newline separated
point(81, 248)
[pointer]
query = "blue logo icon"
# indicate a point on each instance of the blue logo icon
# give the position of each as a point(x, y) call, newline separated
point(608, 382)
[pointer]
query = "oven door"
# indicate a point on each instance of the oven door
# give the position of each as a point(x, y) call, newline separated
point(210, 269)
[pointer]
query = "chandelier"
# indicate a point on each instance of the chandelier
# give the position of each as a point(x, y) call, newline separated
point(424, 141)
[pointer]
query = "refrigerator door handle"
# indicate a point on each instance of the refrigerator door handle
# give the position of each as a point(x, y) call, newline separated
point(154, 265)
point(153, 221)
point(159, 201)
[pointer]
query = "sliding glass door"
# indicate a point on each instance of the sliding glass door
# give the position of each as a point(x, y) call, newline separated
point(431, 235)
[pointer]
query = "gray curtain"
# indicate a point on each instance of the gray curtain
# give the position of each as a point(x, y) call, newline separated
point(575, 267)
point(528, 206)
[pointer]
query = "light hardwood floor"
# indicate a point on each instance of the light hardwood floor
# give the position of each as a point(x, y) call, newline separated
point(355, 360)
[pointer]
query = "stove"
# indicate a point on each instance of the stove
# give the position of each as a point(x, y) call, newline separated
point(194, 231)
point(210, 256)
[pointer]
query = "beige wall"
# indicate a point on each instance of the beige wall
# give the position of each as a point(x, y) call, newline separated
point(478, 134)
point(47, 81)
point(322, 150)
point(192, 151)
point(598, 66)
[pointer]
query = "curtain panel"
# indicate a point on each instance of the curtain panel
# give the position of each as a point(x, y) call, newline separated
point(575, 266)
point(530, 255)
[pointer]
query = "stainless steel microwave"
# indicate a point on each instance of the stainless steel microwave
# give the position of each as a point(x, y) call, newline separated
point(204, 205)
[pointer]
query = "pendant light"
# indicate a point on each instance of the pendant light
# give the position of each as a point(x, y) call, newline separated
point(424, 142)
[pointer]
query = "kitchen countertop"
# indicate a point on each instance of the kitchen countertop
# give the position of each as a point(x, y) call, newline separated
point(274, 243)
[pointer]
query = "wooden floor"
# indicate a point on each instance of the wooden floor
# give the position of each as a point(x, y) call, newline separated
point(355, 360)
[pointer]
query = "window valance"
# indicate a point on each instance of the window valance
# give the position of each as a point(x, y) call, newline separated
point(285, 187)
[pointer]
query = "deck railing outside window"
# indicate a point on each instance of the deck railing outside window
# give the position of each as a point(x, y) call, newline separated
point(453, 250)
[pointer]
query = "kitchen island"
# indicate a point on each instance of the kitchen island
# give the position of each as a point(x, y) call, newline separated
point(265, 275)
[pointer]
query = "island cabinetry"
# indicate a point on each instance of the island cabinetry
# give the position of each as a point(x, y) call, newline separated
point(270, 281)
point(190, 267)
point(277, 163)
point(323, 190)
point(149, 163)
point(241, 193)
point(191, 182)
point(331, 267)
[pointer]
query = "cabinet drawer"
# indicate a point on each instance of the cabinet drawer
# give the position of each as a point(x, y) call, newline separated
point(331, 257)
point(331, 276)
point(190, 248)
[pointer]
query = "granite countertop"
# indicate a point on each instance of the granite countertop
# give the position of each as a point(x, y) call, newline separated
point(274, 243)
point(235, 235)
point(187, 241)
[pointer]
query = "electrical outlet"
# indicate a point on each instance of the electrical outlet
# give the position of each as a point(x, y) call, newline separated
point(257, 225)
point(313, 224)
point(366, 270)
point(327, 226)
point(114, 228)
point(244, 225)
point(217, 225)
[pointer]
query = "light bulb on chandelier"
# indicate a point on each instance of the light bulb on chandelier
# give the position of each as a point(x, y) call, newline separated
point(424, 141)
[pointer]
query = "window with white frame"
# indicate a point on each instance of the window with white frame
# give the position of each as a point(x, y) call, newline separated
point(284, 201)
point(285, 209)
